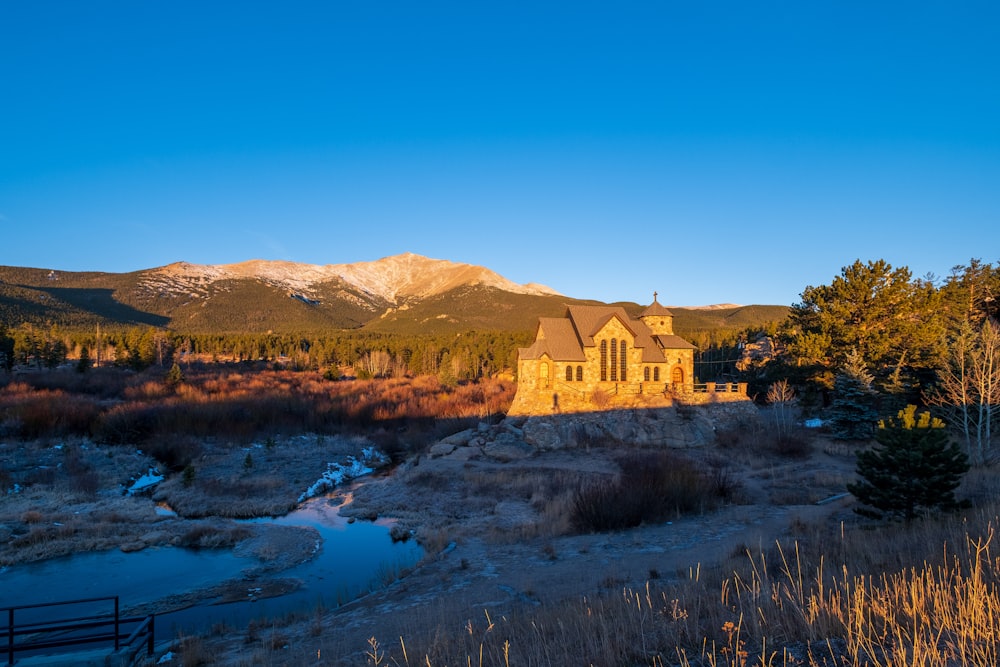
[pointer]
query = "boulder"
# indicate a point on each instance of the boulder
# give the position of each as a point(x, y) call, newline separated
point(543, 434)
point(442, 449)
point(460, 438)
point(507, 448)
point(465, 454)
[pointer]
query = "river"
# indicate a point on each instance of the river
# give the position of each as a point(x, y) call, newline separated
point(356, 556)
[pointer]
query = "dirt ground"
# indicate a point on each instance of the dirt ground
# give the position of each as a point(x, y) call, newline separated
point(494, 530)
point(488, 555)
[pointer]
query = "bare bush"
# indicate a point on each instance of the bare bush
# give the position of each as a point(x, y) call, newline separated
point(652, 486)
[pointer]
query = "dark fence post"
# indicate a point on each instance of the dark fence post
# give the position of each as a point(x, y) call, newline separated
point(10, 636)
point(117, 630)
point(152, 634)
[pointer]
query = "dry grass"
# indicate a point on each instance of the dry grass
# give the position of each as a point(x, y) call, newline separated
point(830, 598)
point(121, 407)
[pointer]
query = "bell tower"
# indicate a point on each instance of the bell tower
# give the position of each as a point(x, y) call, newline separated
point(659, 319)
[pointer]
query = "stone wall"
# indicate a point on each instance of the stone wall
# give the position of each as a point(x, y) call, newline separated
point(580, 397)
point(678, 426)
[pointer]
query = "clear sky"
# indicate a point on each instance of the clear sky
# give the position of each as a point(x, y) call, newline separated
point(713, 151)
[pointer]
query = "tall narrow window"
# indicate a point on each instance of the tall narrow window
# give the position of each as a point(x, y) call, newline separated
point(624, 359)
point(604, 360)
point(656, 374)
point(645, 374)
point(579, 373)
point(569, 373)
point(614, 359)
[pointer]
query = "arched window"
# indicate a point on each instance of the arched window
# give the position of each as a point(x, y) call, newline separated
point(569, 373)
point(604, 360)
point(624, 359)
point(645, 374)
point(614, 359)
point(579, 373)
point(656, 374)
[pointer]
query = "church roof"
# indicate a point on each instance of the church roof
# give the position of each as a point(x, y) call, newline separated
point(588, 320)
point(674, 343)
point(564, 338)
point(656, 310)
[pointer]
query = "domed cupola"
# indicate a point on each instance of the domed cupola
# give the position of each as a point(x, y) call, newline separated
point(659, 319)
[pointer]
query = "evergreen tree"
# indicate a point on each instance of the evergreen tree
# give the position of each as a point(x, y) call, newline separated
point(913, 468)
point(84, 363)
point(175, 376)
point(853, 414)
point(874, 310)
point(6, 350)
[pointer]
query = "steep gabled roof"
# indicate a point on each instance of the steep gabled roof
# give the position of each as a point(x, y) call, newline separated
point(674, 343)
point(591, 319)
point(564, 338)
point(555, 336)
point(588, 320)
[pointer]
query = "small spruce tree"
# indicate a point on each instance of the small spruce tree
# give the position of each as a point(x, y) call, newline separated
point(853, 414)
point(84, 363)
point(913, 468)
point(175, 376)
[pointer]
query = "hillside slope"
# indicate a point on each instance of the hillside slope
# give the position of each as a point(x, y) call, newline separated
point(401, 294)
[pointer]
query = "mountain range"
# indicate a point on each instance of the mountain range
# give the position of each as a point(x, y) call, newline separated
point(400, 294)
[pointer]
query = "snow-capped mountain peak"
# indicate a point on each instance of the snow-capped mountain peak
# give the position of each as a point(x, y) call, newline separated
point(395, 279)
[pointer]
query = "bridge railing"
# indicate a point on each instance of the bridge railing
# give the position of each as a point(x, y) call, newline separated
point(71, 629)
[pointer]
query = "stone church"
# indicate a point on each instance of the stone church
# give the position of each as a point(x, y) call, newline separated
point(597, 356)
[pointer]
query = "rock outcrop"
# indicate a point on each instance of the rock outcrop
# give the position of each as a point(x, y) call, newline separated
point(680, 426)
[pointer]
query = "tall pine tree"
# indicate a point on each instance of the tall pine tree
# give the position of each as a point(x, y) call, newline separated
point(913, 468)
point(853, 413)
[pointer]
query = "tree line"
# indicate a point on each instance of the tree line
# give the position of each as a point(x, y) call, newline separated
point(876, 340)
point(467, 356)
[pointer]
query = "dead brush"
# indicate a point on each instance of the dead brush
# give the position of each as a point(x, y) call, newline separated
point(830, 604)
point(434, 541)
point(205, 536)
point(193, 651)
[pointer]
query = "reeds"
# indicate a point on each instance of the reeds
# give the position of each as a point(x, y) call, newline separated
point(809, 602)
point(121, 407)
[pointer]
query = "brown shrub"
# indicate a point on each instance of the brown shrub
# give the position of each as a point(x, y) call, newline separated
point(242, 406)
point(652, 486)
point(176, 452)
point(794, 445)
point(206, 536)
point(50, 413)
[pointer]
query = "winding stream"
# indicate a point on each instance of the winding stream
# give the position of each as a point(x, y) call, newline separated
point(354, 558)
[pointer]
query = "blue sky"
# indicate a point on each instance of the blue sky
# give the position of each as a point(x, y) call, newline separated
point(712, 151)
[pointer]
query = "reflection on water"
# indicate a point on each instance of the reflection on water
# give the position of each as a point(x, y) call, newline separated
point(353, 559)
point(137, 578)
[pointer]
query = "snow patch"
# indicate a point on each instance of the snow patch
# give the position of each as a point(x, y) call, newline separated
point(336, 473)
point(390, 278)
point(813, 423)
point(146, 482)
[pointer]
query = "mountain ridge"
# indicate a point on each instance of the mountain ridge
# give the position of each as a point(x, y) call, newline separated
point(405, 293)
point(392, 278)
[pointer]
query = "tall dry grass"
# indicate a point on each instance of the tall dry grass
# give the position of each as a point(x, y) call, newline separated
point(899, 596)
point(122, 407)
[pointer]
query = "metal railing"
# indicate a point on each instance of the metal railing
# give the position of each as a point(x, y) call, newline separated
point(653, 388)
point(33, 636)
